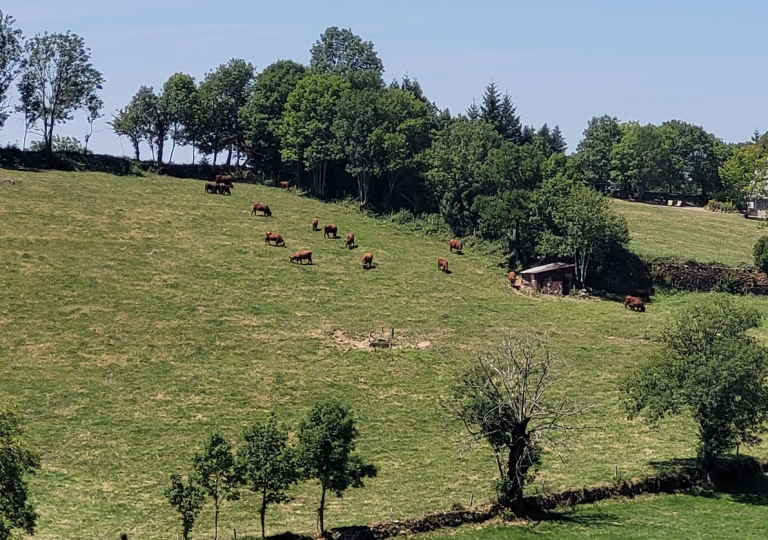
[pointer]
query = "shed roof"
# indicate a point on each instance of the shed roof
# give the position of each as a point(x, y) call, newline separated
point(547, 268)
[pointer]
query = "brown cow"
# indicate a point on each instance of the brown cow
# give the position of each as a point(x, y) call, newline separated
point(274, 237)
point(224, 190)
point(455, 244)
point(349, 241)
point(314, 225)
point(301, 256)
point(285, 185)
point(223, 179)
point(633, 303)
point(442, 264)
point(512, 279)
point(258, 207)
point(367, 260)
point(211, 188)
point(329, 230)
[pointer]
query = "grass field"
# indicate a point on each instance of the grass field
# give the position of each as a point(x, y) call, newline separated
point(662, 231)
point(139, 314)
point(657, 518)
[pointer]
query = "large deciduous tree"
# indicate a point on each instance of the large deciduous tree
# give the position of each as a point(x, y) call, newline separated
point(57, 80)
point(187, 499)
point(585, 228)
point(17, 462)
point(593, 158)
point(694, 157)
point(356, 120)
point(217, 474)
point(262, 114)
point(455, 162)
point(326, 445)
point(712, 369)
point(344, 54)
point(307, 126)
point(179, 104)
point(10, 60)
point(641, 160)
point(268, 465)
point(222, 93)
point(744, 173)
point(511, 400)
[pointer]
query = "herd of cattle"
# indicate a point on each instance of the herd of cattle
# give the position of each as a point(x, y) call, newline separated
point(223, 185)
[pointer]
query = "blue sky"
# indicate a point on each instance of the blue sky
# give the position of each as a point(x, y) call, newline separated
point(563, 62)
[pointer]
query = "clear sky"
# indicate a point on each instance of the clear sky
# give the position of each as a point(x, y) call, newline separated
point(563, 62)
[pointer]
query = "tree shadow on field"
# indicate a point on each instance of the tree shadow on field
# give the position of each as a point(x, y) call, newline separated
point(282, 536)
point(740, 479)
point(589, 517)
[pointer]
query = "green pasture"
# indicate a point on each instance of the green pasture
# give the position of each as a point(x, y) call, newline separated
point(139, 313)
point(691, 234)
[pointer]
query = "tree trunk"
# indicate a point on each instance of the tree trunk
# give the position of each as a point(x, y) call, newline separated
point(215, 155)
point(160, 146)
point(320, 513)
point(173, 147)
point(136, 150)
point(215, 521)
point(262, 513)
point(229, 155)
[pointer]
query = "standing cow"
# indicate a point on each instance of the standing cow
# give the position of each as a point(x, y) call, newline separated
point(367, 260)
point(274, 239)
point(635, 304)
point(455, 244)
point(442, 264)
point(300, 256)
point(330, 231)
point(314, 225)
point(512, 279)
point(263, 208)
point(349, 241)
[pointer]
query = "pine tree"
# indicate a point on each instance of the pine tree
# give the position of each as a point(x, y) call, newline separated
point(473, 112)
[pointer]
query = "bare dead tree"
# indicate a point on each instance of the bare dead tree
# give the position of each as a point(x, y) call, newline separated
point(507, 399)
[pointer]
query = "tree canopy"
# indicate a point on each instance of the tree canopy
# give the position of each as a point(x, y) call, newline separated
point(57, 79)
point(342, 53)
point(10, 60)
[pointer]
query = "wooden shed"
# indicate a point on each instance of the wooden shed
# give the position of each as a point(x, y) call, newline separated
point(553, 278)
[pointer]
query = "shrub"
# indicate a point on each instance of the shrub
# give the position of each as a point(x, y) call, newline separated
point(720, 206)
point(760, 251)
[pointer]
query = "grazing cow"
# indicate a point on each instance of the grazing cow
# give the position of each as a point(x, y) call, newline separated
point(223, 179)
point(274, 237)
point(301, 256)
point(224, 190)
point(211, 188)
point(442, 264)
point(455, 244)
point(329, 230)
point(634, 303)
point(349, 241)
point(512, 279)
point(258, 207)
point(285, 184)
point(367, 260)
point(314, 225)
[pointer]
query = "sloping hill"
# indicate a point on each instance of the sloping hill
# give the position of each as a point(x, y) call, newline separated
point(140, 313)
point(690, 234)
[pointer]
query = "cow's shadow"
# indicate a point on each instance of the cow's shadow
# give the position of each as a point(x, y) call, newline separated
point(449, 272)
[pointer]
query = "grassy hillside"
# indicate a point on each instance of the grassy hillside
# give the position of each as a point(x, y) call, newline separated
point(661, 231)
point(656, 518)
point(140, 313)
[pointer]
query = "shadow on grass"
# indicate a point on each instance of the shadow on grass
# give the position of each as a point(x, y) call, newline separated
point(586, 518)
point(741, 480)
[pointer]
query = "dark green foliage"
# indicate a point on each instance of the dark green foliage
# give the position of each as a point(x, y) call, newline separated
point(326, 442)
point(60, 144)
point(187, 499)
point(760, 252)
point(262, 114)
point(641, 160)
point(217, 474)
point(711, 368)
point(581, 225)
point(10, 60)
point(268, 466)
point(221, 95)
point(498, 110)
point(342, 53)
point(59, 62)
point(694, 157)
point(592, 160)
point(505, 400)
point(17, 462)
